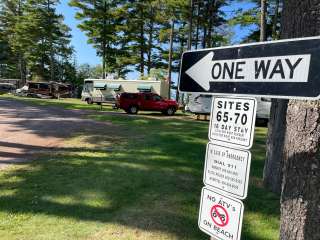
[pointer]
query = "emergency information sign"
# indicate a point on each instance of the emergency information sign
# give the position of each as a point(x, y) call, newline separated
point(227, 170)
point(232, 121)
point(220, 216)
point(279, 69)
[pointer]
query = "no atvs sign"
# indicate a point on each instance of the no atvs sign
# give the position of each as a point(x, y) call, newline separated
point(220, 216)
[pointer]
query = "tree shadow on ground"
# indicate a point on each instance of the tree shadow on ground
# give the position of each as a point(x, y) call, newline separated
point(143, 173)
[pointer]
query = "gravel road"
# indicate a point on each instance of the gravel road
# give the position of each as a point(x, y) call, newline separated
point(27, 130)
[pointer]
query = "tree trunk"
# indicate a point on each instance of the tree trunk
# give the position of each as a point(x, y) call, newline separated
point(50, 42)
point(275, 20)
point(300, 198)
point(211, 16)
point(263, 36)
point(272, 172)
point(141, 42)
point(205, 16)
point(149, 55)
point(182, 42)
point(150, 42)
point(104, 42)
point(22, 65)
point(197, 26)
point(190, 25)
point(170, 58)
point(103, 60)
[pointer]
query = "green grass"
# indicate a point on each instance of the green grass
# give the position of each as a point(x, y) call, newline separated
point(140, 179)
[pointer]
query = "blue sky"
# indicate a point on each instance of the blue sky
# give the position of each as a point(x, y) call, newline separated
point(85, 53)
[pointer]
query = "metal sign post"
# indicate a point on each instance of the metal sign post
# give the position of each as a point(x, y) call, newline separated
point(227, 166)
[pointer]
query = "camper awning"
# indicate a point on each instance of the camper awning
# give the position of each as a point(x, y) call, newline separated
point(144, 88)
point(99, 85)
point(114, 86)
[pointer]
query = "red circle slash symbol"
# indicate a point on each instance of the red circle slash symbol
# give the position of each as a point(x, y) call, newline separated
point(219, 215)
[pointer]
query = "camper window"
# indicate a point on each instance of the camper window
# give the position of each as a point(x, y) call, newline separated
point(43, 86)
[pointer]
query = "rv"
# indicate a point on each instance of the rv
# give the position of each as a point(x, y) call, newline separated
point(200, 104)
point(45, 90)
point(7, 88)
point(105, 91)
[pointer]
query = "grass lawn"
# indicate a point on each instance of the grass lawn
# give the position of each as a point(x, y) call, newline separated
point(140, 179)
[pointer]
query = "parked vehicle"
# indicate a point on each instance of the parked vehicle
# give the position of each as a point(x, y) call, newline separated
point(45, 90)
point(106, 90)
point(6, 88)
point(133, 102)
point(201, 104)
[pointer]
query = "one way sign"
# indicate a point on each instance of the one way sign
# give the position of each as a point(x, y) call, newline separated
point(280, 69)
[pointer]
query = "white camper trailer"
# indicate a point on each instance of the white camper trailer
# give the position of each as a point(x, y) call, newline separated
point(200, 104)
point(105, 91)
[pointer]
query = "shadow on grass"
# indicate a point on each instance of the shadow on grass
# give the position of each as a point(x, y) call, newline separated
point(151, 179)
point(147, 189)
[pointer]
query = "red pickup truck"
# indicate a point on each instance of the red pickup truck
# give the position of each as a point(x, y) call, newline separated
point(133, 102)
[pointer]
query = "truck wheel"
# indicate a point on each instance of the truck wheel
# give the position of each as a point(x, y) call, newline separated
point(89, 101)
point(170, 111)
point(133, 109)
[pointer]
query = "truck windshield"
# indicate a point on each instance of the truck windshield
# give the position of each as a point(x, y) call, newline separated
point(88, 86)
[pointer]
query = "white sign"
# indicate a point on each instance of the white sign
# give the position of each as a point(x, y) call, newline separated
point(232, 121)
point(220, 216)
point(227, 170)
point(291, 68)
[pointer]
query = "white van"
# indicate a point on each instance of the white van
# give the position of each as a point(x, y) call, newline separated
point(201, 104)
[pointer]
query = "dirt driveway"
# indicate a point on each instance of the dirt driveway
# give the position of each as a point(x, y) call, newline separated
point(27, 130)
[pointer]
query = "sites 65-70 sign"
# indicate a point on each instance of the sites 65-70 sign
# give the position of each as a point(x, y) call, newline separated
point(282, 69)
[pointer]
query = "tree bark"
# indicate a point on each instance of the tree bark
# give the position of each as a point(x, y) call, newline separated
point(263, 36)
point(272, 172)
point(104, 42)
point(141, 42)
point(211, 15)
point(300, 198)
point(150, 42)
point(182, 43)
point(275, 20)
point(170, 58)
point(197, 26)
point(21, 60)
point(190, 25)
point(50, 42)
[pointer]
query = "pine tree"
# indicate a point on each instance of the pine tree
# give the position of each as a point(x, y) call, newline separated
point(252, 18)
point(101, 21)
point(35, 36)
point(10, 14)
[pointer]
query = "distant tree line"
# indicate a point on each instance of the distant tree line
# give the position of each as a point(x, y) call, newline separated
point(128, 35)
point(135, 35)
point(34, 41)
